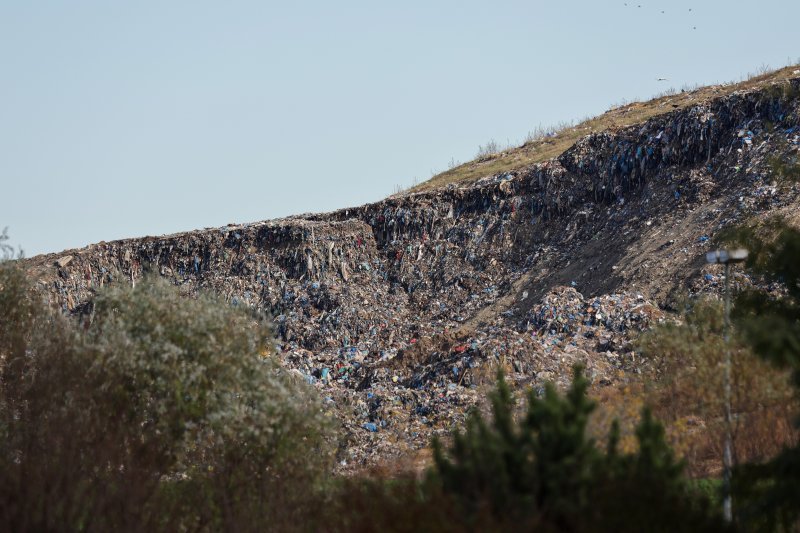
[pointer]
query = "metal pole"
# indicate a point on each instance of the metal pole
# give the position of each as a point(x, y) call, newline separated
point(726, 257)
point(727, 459)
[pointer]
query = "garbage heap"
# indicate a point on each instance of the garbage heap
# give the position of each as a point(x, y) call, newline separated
point(401, 311)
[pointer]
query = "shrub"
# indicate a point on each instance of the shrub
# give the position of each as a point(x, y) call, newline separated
point(166, 412)
point(687, 358)
point(487, 150)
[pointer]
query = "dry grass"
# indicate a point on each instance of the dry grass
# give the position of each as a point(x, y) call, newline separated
point(543, 147)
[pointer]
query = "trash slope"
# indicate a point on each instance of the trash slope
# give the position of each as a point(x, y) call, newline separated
point(400, 311)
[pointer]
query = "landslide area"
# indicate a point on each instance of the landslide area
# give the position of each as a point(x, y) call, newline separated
point(399, 312)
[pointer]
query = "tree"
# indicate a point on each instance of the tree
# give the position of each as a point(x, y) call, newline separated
point(545, 472)
point(769, 492)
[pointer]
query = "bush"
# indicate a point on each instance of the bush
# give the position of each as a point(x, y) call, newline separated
point(163, 413)
point(688, 358)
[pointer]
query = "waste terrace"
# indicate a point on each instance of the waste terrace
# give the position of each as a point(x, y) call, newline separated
point(400, 311)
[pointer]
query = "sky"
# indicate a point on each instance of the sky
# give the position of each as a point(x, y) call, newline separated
point(126, 119)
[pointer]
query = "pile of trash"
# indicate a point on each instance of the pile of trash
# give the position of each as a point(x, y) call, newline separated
point(400, 312)
point(565, 310)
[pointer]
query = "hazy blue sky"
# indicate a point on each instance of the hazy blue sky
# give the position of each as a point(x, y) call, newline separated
point(124, 119)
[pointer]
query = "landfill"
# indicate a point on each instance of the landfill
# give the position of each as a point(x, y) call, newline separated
point(400, 312)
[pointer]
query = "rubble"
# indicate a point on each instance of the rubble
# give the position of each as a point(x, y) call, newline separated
point(399, 312)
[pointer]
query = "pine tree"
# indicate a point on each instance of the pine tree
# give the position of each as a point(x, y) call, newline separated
point(545, 472)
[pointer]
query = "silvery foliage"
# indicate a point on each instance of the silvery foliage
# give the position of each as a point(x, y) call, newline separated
point(196, 380)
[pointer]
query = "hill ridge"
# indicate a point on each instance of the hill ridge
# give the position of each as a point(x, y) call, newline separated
point(551, 144)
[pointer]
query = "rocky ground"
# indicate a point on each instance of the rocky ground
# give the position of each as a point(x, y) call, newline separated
point(399, 312)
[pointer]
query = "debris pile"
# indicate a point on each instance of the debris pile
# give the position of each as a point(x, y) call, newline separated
point(400, 312)
point(565, 310)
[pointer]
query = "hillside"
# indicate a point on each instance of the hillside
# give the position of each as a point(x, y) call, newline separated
point(399, 311)
point(552, 143)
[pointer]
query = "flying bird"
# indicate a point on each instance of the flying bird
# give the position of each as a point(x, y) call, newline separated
point(662, 79)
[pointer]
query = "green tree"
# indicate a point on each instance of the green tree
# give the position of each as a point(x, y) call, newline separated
point(545, 472)
point(544, 462)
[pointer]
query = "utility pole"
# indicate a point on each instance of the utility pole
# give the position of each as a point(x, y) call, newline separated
point(727, 257)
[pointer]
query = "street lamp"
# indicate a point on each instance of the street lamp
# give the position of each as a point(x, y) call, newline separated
point(727, 258)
